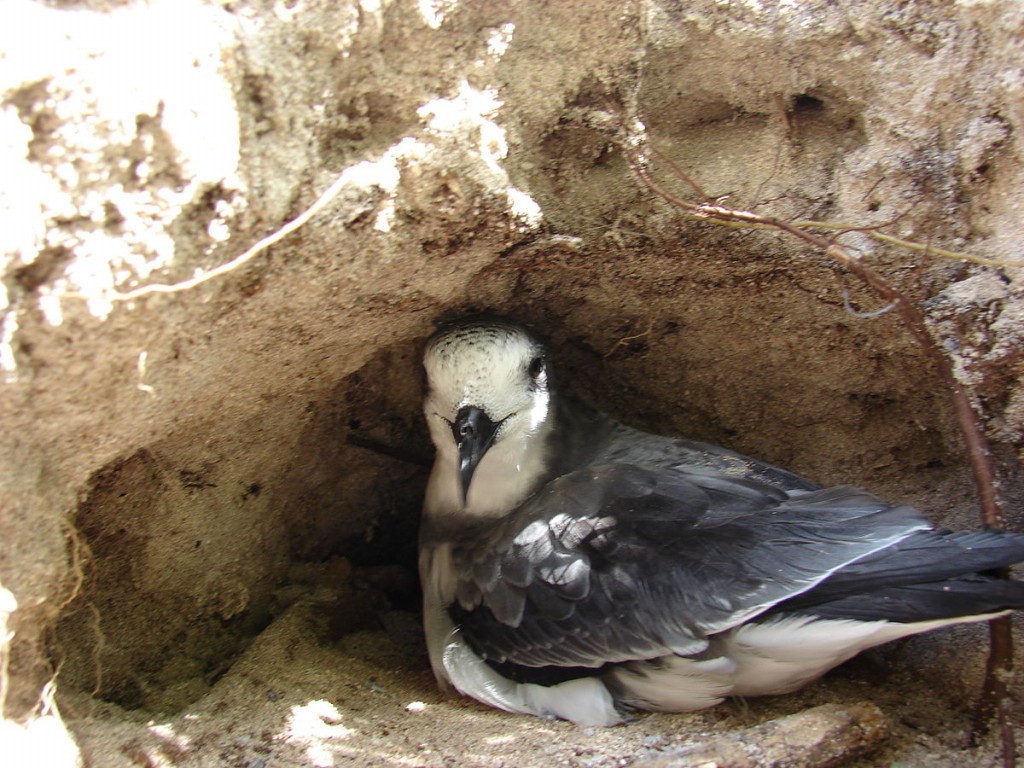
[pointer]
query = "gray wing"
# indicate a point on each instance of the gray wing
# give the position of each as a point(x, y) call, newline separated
point(619, 562)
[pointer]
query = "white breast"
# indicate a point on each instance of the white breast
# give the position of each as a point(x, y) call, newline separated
point(586, 701)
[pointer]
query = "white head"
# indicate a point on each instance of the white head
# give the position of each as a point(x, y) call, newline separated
point(487, 400)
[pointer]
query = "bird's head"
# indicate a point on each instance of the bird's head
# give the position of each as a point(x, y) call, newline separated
point(487, 391)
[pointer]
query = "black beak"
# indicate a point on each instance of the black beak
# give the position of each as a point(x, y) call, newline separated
point(474, 433)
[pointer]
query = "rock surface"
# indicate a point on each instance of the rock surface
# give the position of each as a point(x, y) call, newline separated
point(211, 491)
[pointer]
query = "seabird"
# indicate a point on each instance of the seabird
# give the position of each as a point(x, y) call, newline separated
point(576, 568)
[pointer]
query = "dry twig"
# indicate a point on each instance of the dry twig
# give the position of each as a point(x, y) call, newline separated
point(398, 453)
point(712, 209)
point(625, 340)
point(272, 239)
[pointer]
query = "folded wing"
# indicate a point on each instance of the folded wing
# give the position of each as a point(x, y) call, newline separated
point(617, 562)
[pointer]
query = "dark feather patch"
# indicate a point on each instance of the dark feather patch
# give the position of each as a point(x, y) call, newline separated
point(616, 562)
point(974, 595)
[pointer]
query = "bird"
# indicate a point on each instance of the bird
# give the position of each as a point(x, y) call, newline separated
point(576, 568)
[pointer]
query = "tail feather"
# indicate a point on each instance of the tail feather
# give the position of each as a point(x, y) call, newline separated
point(973, 595)
point(929, 574)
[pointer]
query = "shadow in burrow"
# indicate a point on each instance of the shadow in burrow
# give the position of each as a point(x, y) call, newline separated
point(190, 548)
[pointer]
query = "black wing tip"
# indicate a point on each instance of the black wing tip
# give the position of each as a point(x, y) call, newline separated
point(968, 598)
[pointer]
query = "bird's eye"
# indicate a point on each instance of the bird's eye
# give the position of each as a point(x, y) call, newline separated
point(536, 367)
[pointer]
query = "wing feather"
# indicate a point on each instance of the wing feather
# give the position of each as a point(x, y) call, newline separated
point(618, 562)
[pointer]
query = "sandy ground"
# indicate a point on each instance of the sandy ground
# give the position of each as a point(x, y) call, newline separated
point(303, 696)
